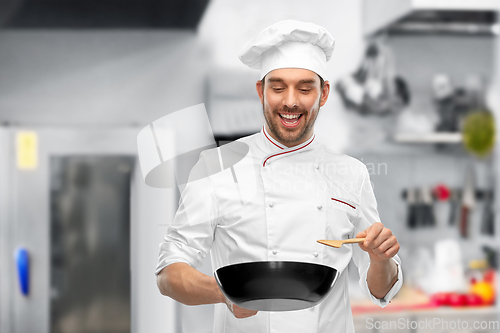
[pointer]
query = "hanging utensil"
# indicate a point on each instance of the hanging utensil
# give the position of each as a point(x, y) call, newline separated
point(428, 218)
point(454, 206)
point(468, 201)
point(375, 88)
point(488, 219)
point(352, 87)
point(411, 201)
point(419, 208)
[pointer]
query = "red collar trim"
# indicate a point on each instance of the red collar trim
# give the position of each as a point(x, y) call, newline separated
point(270, 140)
point(289, 151)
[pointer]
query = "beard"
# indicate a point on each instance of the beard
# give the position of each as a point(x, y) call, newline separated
point(290, 136)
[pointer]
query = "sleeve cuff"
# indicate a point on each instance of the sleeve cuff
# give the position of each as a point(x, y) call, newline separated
point(162, 265)
point(382, 302)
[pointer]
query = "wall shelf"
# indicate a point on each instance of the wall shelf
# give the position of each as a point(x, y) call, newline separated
point(438, 137)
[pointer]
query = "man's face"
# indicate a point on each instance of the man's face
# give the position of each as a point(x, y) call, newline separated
point(291, 98)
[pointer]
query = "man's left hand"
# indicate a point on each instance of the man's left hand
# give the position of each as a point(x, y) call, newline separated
point(379, 242)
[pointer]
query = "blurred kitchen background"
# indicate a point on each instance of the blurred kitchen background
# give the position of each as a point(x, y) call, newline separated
point(415, 96)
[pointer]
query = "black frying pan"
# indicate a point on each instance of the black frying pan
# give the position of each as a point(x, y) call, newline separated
point(276, 285)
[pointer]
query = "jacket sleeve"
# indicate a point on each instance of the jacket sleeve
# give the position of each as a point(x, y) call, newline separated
point(368, 215)
point(189, 237)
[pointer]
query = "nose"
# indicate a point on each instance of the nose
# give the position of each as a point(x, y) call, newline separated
point(290, 99)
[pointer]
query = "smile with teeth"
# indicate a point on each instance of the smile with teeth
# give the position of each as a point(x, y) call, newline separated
point(290, 118)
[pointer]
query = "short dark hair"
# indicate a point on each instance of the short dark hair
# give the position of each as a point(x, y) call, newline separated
point(322, 82)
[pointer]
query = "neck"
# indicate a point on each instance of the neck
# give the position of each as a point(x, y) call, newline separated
point(288, 144)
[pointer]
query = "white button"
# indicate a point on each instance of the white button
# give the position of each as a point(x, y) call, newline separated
point(316, 166)
point(320, 206)
point(271, 204)
point(275, 251)
point(315, 254)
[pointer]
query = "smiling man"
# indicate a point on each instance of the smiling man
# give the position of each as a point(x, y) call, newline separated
point(304, 191)
point(291, 103)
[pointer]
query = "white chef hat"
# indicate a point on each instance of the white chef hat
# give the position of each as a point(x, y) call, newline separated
point(289, 44)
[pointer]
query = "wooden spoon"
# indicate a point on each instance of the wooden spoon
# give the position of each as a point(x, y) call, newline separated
point(339, 243)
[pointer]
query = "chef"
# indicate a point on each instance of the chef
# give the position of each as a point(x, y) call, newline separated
point(289, 191)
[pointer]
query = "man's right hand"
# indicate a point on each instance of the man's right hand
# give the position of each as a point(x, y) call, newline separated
point(239, 312)
point(186, 285)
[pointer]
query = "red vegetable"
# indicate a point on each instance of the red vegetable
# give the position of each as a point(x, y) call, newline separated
point(489, 276)
point(474, 300)
point(440, 299)
point(458, 299)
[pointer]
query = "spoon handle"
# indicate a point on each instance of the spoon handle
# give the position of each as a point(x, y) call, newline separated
point(353, 240)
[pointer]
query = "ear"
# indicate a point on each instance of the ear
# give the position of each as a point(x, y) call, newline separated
point(325, 93)
point(260, 91)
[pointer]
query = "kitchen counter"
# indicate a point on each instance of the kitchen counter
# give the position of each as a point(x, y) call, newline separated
point(412, 311)
point(442, 319)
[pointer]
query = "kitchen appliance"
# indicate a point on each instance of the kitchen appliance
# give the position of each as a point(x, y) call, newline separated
point(41, 213)
point(276, 285)
point(430, 16)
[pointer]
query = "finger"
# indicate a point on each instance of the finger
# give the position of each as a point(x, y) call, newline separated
point(373, 232)
point(240, 312)
point(363, 247)
point(391, 241)
point(383, 236)
point(362, 234)
point(251, 313)
point(391, 252)
point(245, 313)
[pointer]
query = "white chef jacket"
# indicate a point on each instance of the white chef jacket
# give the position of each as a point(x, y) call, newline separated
point(273, 206)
